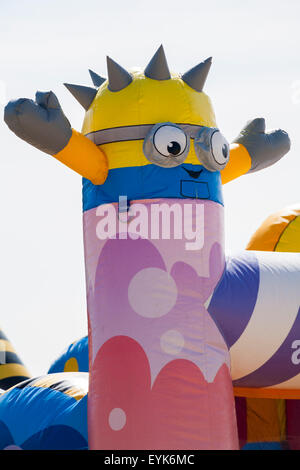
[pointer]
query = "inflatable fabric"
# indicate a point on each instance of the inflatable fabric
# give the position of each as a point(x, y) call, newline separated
point(12, 369)
point(45, 413)
point(74, 359)
point(263, 424)
point(42, 413)
point(272, 422)
point(168, 313)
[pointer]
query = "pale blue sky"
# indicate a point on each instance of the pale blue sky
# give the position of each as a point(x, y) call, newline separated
point(256, 72)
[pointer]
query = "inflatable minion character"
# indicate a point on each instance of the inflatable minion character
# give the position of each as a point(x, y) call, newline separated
point(137, 126)
point(158, 358)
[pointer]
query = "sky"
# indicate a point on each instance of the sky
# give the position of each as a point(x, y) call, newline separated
point(255, 73)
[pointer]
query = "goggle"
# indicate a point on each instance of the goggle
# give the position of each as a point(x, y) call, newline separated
point(167, 144)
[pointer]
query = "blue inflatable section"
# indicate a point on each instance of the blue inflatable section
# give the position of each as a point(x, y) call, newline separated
point(78, 352)
point(152, 181)
point(50, 415)
point(263, 446)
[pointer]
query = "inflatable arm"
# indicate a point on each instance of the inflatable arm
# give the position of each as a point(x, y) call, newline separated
point(43, 124)
point(255, 149)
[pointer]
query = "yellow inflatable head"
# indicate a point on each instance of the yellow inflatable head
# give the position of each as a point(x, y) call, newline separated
point(145, 101)
point(158, 131)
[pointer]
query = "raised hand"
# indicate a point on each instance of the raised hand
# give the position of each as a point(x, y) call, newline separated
point(265, 148)
point(41, 123)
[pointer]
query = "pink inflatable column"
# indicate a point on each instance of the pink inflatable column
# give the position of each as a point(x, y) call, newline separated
point(159, 375)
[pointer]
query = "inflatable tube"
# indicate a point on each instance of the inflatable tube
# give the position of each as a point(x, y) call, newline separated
point(45, 413)
point(263, 424)
point(271, 419)
point(12, 369)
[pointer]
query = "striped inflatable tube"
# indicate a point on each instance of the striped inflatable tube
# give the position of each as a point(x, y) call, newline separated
point(12, 369)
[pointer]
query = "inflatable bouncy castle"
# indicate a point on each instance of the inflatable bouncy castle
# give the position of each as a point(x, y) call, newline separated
point(263, 423)
point(172, 322)
point(41, 413)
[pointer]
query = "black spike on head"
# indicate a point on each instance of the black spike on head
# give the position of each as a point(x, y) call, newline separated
point(96, 79)
point(196, 77)
point(118, 78)
point(158, 69)
point(84, 95)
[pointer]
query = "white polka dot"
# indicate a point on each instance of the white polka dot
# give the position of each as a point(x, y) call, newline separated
point(172, 342)
point(152, 292)
point(117, 419)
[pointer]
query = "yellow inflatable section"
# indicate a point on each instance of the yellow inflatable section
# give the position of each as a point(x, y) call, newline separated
point(279, 232)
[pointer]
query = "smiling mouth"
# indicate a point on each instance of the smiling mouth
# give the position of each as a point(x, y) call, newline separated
point(192, 173)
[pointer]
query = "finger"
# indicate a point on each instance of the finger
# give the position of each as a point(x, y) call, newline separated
point(279, 140)
point(13, 111)
point(255, 126)
point(24, 118)
point(47, 99)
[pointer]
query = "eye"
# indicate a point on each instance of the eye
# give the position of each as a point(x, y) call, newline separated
point(170, 140)
point(220, 148)
point(212, 149)
point(166, 145)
